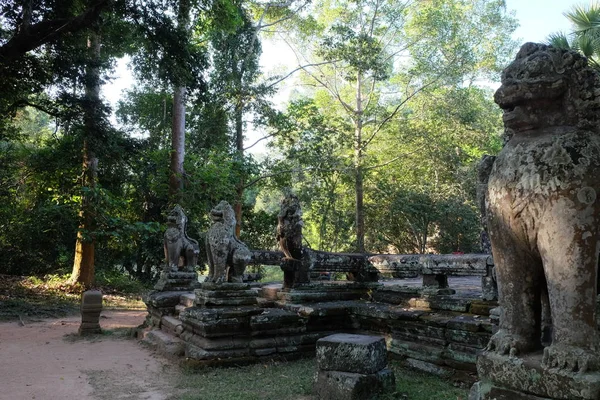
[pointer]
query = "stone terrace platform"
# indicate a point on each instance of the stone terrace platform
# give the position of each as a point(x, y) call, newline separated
point(439, 331)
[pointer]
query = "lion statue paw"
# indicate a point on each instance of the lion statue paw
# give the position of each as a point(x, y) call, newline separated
point(570, 358)
point(505, 343)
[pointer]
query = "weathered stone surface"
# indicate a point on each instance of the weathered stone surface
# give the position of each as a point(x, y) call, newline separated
point(543, 212)
point(418, 351)
point(435, 281)
point(476, 339)
point(447, 303)
point(180, 250)
point(167, 344)
point(483, 308)
point(275, 319)
point(480, 391)
point(294, 264)
point(336, 385)
point(171, 325)
point(91, 307)
point(227, 255)
point(525, 375)
point(162, 299)
point(224, 286)
point(465, 323)
point(187, 299)
point(344, 352)
point(198, 353)
point(231, 302)
point(212, 314)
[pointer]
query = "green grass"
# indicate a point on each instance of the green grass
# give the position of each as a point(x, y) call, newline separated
point(293, 381)
point(270, 381)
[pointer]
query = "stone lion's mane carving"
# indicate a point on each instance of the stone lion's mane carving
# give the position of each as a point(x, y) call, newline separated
point(178, 244)
point(227, 255)
point(543, 213)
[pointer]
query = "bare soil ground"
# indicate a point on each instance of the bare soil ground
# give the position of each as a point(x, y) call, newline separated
point(46, 360)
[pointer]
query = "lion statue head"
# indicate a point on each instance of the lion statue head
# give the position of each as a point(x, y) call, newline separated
point(545, 87)
point(223, 213)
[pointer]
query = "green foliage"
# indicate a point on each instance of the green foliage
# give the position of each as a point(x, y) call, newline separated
point(116, 281)
point(585, 36)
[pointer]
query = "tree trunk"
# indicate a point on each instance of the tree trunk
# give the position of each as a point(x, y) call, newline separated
point(178, 127)
point(177, 146)
point(239, 143)
point(358, 171)
point(83, 264)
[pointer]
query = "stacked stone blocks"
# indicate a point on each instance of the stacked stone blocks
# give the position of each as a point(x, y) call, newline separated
point(352, 367)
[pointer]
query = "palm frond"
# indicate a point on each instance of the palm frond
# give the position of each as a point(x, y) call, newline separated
point(559, 40)
point(585, 18)
point(587, 45)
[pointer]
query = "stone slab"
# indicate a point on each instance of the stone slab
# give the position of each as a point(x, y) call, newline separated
point(363, 354)
point(163, 299)
point(187, 299)
point(165, 343)
point(336, 385)
point(525, 375)
point(209, 314)
point(224, 302)
point(480, 391)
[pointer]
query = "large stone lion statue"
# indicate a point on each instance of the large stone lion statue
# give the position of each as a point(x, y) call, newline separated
point(543, 209)
point(178, 245)
point(227, 255)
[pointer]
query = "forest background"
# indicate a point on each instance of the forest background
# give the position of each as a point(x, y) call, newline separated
point(390, 111)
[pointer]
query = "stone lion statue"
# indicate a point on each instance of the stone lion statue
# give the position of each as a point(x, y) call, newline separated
point(289, 237)
point(227, 255)
point(542, 209)
point(177, 244)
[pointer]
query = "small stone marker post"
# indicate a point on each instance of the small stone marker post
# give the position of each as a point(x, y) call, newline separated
point(91, 307)
point(352, 367)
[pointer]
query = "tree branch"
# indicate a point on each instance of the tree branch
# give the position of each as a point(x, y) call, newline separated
point(30, 37)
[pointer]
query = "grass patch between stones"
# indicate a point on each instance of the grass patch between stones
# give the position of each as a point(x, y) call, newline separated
point(293, 381)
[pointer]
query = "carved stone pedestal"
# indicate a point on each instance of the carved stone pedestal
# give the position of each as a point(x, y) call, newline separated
point(511, 378)
point(177, 281)
point(227, 327)
point(91, 307)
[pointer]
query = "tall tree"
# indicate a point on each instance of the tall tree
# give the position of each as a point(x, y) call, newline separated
point(178, 127)
point(236, 69)
point(370, 58)
point(83, 263)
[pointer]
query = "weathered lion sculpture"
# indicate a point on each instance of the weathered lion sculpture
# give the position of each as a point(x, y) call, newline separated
point(227, 255)
point(289, 237)
point(177, 243)
point(543, 211)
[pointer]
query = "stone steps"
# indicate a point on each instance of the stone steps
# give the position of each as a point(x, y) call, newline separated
point(165, 343)
point(171, 325)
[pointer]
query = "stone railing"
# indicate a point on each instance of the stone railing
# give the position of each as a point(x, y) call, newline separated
point(322, 261)
point(434, 268)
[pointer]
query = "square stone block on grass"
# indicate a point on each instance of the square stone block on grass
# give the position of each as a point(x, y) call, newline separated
point(337, 385)
point(343, 352)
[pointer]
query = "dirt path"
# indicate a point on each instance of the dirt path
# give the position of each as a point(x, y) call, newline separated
point(39, 362)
